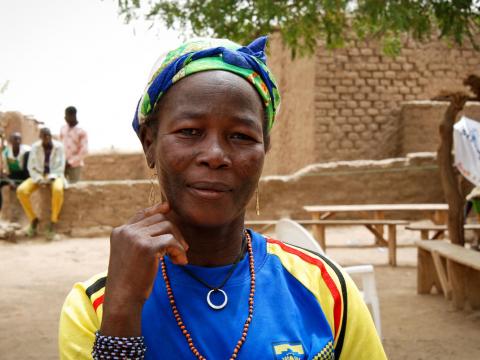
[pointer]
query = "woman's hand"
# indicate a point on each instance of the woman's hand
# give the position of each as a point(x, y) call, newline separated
point(135, 252)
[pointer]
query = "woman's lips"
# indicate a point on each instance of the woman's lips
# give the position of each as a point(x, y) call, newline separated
point(209, 190)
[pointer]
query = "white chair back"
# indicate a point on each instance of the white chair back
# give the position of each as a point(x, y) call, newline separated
point(293, 233)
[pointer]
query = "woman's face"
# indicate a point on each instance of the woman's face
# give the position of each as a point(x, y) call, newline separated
point(209, 148)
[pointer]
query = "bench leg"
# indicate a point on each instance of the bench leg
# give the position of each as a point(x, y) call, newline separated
point(379, 215)
point(442, 275)
point(319, 234)
point(426, 275)
point(392, 245)
point(424, 234)
point(457, 276)
point(473, 288)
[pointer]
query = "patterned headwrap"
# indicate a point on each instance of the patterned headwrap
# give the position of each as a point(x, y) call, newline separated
point(211, 54)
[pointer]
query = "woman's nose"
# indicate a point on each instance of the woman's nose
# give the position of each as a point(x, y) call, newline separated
point(214, 153)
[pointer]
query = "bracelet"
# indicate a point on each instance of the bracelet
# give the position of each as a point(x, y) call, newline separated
point(114, 347)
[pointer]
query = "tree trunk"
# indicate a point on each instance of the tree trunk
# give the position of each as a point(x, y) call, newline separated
point(450, 185)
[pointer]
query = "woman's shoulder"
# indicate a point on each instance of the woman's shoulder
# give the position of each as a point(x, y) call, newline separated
point(87, 296)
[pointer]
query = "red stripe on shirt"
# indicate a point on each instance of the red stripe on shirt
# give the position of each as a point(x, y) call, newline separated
point(98, 301)
point(337, 307)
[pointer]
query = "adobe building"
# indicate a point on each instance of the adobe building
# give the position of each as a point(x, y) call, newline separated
point(347, 104)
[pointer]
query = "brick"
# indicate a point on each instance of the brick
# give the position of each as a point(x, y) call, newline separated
point(378, 74)
point(352, 104)
point(333, 112)
point(353, 136)
point(360, 82)
point(347, 81)
point(366, 135)
point(353, 51)
point(372, 111)
point(390, 74)
point(366, 51)
point(359, 128)
point(333, 96)
point(346, 112)
point(373, 82)
point(346, 144)
point(365, 104)
point(354, 120)
point(358, 96)
point(324, 59)
point(333, 145)
point(347, 127)
point(373, 95)
point(323, 104)
point(359, 112)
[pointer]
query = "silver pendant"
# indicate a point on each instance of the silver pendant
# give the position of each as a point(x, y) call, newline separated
point(222, 305)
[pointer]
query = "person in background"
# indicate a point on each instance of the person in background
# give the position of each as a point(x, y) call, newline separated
point(75, 142)
point(46, 166)
point(14, 161)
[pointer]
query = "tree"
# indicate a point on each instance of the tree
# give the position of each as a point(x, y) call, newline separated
point(302, 22)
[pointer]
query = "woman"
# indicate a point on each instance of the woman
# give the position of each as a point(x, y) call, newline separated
point(185, 279)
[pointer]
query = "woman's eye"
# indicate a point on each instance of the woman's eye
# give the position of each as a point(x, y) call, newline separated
point(190, 132)
point(240, 136)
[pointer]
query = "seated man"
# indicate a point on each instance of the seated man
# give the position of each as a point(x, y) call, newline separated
point(14, 161)
point(46, 165)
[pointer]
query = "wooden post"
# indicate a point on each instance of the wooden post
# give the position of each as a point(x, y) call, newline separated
point(392, 244)
point(450, 185)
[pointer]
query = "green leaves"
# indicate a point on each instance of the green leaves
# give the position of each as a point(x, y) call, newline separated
point(302, 23)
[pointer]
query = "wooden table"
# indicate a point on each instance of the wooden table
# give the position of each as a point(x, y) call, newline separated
point(391, 241)
point(438, 230)
point(437, 212)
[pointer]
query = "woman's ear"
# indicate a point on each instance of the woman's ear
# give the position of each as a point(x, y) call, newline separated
point(147, 138)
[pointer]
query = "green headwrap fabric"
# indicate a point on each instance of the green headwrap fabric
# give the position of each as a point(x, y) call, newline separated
point(211, 54)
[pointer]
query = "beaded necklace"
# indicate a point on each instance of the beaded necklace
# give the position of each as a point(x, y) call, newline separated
point(179, 319)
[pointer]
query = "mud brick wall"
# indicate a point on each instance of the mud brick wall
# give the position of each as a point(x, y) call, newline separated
point(346, 104)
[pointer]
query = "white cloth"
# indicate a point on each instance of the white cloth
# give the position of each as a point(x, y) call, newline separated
point(466, 137)
point(36, 162)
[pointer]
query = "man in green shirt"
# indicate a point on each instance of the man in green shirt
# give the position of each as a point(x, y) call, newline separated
point(14, 159)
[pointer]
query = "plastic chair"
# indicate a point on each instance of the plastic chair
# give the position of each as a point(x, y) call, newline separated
point(292, 232)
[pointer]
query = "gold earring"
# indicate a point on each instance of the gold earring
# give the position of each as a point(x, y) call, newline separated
point(257, 202)
point(152, 196)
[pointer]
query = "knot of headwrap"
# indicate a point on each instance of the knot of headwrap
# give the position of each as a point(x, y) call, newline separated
point(211, 54)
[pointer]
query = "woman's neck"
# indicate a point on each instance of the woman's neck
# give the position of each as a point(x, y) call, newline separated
point(213, 246)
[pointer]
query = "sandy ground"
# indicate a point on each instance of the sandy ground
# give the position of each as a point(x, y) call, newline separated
point(36, 276)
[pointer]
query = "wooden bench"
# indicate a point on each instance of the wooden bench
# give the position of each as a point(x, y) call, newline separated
point(452, 269)
point(438, 230)
point(264, 225)
point(319, 232)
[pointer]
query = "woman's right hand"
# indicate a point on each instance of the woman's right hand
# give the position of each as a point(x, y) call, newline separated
point(135, 252)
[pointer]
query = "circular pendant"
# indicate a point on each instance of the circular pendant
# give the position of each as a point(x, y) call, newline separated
point(222, 305)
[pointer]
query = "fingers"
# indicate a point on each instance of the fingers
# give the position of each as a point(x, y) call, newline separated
point(159, 208)
point(168, 244)
point(160, 227)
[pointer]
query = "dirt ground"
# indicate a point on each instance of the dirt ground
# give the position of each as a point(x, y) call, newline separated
point(36, 276)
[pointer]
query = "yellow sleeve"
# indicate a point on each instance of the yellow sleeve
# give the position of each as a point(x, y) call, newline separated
point(78, 324)
point(361, 341)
